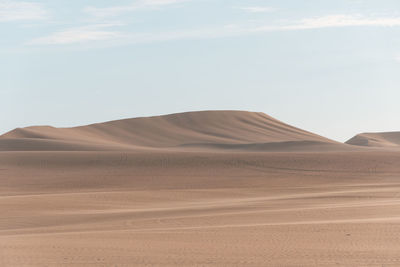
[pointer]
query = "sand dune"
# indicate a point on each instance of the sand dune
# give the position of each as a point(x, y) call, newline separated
point(206, 130)
point(386, 139)
point(216, 188)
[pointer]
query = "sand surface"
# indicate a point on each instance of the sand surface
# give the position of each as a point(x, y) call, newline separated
point(384, 139)
point(214, 206)
point(194, 131)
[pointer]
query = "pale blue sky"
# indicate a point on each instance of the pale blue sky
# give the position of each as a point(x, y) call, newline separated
point(331, 67)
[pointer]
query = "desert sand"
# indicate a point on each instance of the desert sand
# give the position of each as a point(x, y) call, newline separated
point(384, 139)
point(215, 188)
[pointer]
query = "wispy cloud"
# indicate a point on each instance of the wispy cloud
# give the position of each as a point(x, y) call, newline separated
point(98, 33)
point(397, 58)
point(258, 9)
point(18, 10)
point(83, 34)
point(118, 10)
point(340, 21)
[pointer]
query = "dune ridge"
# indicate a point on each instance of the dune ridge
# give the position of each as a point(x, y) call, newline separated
point(201, 130)
point(383, 139)
point(195, 189)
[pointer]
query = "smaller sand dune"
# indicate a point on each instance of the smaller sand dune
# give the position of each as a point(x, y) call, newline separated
point(385, 139)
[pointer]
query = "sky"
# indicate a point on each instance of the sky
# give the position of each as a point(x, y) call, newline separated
point(330, 67)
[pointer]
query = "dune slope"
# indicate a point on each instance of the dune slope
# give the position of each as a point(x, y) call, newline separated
point(154, 192)
point(385, 139)
point(204, 130)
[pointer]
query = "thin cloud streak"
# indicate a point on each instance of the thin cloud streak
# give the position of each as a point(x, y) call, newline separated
point(118, 10)
point(95, 32)
point(17, 11)
point(258, 9)
point(79, 35)
point(333, 21)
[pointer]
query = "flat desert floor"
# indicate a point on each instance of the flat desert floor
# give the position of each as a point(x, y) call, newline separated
point(200, 208)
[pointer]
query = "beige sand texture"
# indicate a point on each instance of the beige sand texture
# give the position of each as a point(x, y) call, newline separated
point(386, 139)
point(205, 130)
point(171, 191)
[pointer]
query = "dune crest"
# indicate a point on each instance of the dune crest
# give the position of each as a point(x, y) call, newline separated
point(384, 139)
point(202, 130)
point(195, 189)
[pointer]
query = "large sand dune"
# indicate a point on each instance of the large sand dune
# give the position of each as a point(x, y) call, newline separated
point(175, 198)
point(386, 139)
point(234, 130)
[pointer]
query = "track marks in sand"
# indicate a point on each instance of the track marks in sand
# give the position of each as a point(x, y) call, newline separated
point(109, 211)
point(193, 209)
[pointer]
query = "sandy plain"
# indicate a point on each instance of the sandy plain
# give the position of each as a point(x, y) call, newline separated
point(202, 205)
